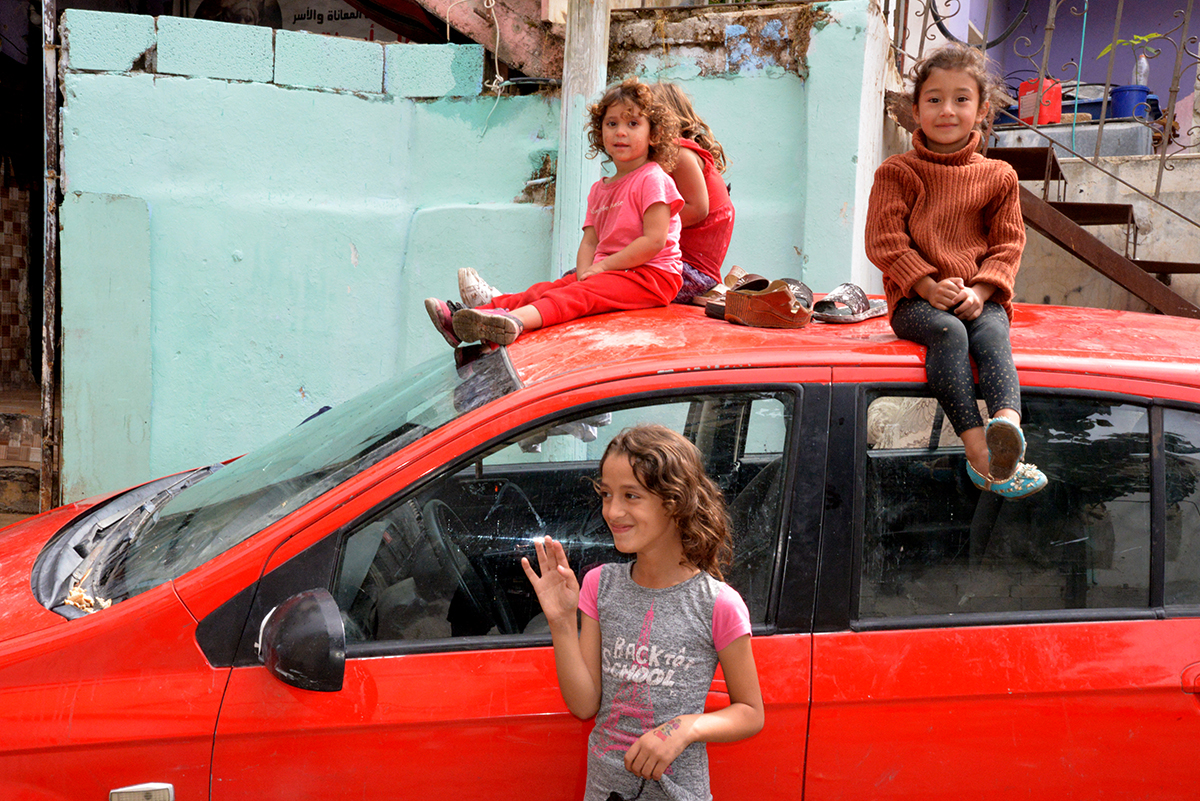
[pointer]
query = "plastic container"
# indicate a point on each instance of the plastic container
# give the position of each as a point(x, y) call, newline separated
point(1126, 99)
point(1091, 107)
point(1051, 108)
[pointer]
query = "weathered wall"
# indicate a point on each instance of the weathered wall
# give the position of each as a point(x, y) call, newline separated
point(1050, 275)
point(273, 207)
point(794, 94)
point(253, 218)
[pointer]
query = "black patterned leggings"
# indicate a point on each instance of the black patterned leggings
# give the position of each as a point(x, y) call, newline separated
point(949, 344)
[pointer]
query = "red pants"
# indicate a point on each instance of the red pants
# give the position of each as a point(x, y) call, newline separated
point(612, 290)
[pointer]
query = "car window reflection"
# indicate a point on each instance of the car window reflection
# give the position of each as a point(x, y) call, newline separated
point(445, 561)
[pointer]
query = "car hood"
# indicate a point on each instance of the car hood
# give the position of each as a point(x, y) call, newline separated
point(20, 612)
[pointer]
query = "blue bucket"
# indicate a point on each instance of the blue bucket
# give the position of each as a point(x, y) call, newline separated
point(1126, 99)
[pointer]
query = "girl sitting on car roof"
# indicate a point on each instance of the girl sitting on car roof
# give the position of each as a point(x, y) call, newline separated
point(944, 225)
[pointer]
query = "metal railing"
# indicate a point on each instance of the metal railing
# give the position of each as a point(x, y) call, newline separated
point(917, 24)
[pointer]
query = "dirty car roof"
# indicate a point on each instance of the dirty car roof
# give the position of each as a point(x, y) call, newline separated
point(680, 338)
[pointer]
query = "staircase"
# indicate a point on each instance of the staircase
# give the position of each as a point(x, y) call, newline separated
point(1064, 224)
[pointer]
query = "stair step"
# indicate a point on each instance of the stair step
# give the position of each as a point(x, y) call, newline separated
point(1168, 267)
point(1096, 213)
point(1031, 163)
point(1051, 223)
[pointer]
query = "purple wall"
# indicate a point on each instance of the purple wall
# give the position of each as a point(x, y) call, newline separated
point(1138, 17)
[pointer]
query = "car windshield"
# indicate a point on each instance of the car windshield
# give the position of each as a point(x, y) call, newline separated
point(238, 501)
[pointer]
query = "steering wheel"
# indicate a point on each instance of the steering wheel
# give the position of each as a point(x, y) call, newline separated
point(439, 522)
point(502, 512)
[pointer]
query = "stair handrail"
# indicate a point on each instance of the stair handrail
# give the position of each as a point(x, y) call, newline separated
point(1094, 165)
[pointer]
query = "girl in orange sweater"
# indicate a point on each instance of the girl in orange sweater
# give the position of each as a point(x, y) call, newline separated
point(944, 225)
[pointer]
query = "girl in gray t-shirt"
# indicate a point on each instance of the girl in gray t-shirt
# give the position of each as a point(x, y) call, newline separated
point(654, 630)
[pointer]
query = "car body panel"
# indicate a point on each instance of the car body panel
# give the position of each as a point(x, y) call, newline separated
point(1129, 344)
point(20, 612)
point(1058, 709)
point(502, 707)
point(113, 699)
point(1055, 711)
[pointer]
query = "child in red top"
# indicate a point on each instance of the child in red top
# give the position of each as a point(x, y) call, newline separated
point(707, 216)
point(629, 257)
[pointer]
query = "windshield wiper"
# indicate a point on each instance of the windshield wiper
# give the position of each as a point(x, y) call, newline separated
point(100, 558)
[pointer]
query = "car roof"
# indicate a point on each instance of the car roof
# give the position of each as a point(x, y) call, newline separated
point(680, 338)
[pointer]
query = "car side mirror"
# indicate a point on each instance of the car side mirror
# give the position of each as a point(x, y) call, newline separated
point(303, 642)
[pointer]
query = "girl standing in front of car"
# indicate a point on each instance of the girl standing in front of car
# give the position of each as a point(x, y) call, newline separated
point(944, 225)
point(652, 631)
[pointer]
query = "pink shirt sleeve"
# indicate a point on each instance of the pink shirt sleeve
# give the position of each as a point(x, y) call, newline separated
point(731, 618)
point(658, 187)
point(589, 591)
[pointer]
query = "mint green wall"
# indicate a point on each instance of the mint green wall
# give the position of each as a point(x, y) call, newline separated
point(296, 198)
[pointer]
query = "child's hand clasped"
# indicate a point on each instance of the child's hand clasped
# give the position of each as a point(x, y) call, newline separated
point(952, 295)
point(945, 293)
point(970, 304)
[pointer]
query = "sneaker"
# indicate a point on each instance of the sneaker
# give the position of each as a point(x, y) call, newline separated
point(486, 325)
point(441, 312)
point(1025, 481)
point(473, 289)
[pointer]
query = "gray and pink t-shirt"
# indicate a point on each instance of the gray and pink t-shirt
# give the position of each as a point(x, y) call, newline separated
point(658, 653)
point(616, 209)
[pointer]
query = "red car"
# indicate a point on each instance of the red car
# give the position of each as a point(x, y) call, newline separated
point(342, 613)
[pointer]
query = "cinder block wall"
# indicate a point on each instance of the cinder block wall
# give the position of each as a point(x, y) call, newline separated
point(252, 219)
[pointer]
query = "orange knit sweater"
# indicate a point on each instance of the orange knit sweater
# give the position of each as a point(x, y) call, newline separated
point(945, 215)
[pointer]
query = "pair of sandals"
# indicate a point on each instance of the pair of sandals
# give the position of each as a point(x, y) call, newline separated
point(755, 301)
point(788, 303)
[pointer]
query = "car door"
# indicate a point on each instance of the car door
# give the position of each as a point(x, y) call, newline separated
point(449, 683)
point(970, 646)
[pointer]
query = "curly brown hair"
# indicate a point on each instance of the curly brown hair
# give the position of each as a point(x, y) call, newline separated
point(971, 60)
point(670, 467)
point(664, 125)
point(690, 124)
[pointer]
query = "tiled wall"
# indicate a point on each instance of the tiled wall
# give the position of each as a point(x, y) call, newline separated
point(15, 365)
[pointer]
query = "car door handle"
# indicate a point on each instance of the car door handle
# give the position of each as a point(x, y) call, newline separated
point(1191, 678)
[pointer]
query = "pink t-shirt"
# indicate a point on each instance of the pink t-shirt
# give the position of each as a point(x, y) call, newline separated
point(730, 616)
point(615, 210)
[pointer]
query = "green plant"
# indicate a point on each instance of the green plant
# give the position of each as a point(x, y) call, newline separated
point(1137, 42)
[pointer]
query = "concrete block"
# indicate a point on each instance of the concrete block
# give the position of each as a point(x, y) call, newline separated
point(104, 42)
point(206, 49)
point(1120, 138)
point(314, 61)
point(417, 70)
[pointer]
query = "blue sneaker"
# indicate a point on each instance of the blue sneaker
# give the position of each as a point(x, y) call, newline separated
point(1026, 481)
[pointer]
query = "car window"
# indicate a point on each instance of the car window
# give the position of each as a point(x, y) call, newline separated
point(1181, 435)
point(444, 561)
point(932, 544)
